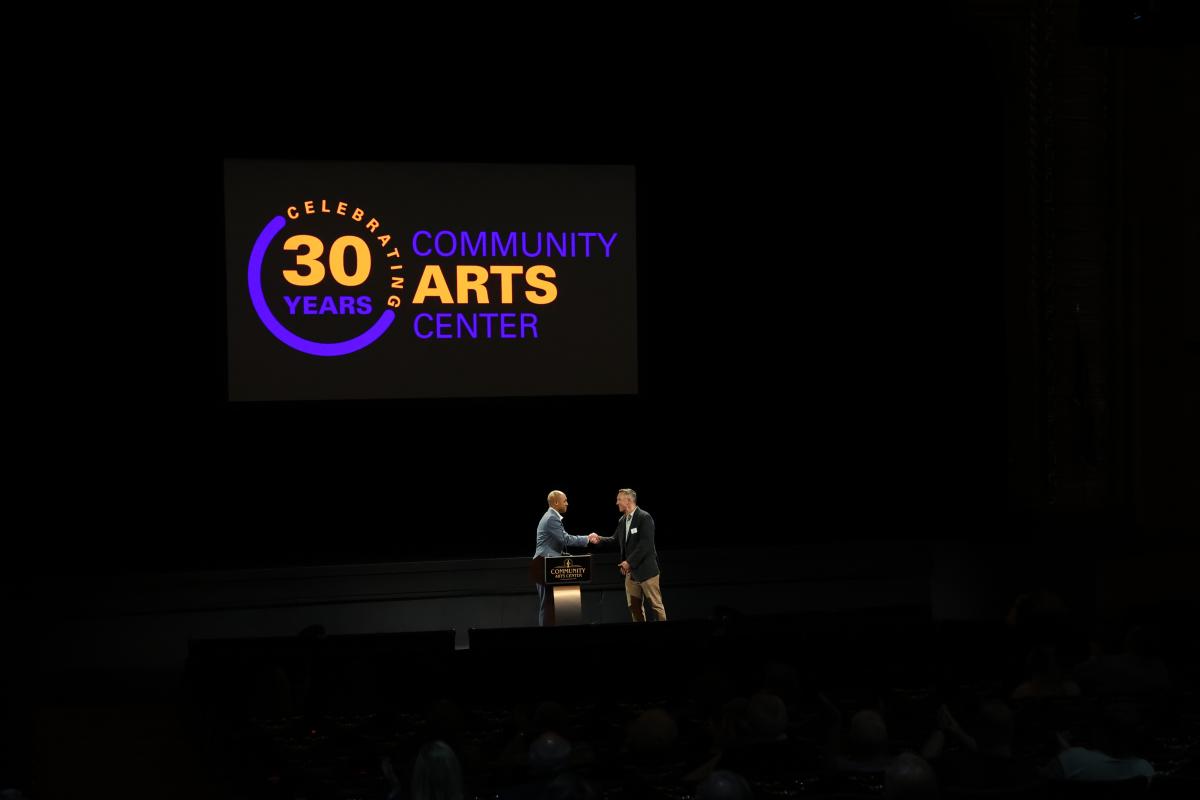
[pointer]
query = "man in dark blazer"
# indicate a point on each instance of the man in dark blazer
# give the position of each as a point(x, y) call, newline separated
point(634, 538)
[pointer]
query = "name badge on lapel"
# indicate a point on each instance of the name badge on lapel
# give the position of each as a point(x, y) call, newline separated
point(633, 530)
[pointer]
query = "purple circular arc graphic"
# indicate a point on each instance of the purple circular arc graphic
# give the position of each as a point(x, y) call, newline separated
point(254, 279)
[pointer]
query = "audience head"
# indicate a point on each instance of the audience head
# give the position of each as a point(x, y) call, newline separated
point(569, 786)
point(909, 777)
point(652, 735)
point(868, 735)
point(766, 718)
point(437, 774)
point(724, 785)
point(548, 753)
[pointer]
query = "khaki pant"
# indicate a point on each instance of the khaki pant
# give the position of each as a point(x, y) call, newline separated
point(650, 592)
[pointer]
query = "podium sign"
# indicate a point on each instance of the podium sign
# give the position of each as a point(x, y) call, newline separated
point(562, 576)
point(567, 570)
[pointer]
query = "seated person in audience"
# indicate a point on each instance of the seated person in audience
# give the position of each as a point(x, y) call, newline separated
point(724, 785)
point(867, 748)
point(652, 750)
point(983, 760)
point(569, 786)
point(909, 777)
point(548, 759)
point(1047, 678)
point(1134, 670)
point(436, 775)
point(1118, 740)
point(762, 747)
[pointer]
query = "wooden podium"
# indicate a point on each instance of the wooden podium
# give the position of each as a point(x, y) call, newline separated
point(562, 576)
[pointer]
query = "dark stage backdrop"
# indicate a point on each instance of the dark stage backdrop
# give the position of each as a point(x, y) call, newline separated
point(819, 317)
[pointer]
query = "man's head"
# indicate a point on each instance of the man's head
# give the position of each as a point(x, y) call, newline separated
point(557, 501)
point(626, 500)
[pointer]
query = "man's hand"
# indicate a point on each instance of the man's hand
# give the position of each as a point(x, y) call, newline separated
point(593, 538)
point(624, 567)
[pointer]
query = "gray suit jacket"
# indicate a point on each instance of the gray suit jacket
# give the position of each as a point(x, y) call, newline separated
point(552, 537)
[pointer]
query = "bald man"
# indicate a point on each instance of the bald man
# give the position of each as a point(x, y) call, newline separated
point(552, 539)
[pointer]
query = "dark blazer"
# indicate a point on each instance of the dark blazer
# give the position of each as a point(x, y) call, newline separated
point(639, 550)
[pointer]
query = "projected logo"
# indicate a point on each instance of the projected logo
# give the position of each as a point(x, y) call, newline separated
point(323, 279)
point(326, 278)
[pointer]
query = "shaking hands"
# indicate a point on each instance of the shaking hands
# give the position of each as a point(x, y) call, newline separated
point(594, 538)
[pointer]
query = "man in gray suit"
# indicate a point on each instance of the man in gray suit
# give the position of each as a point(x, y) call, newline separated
point(552, 539)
